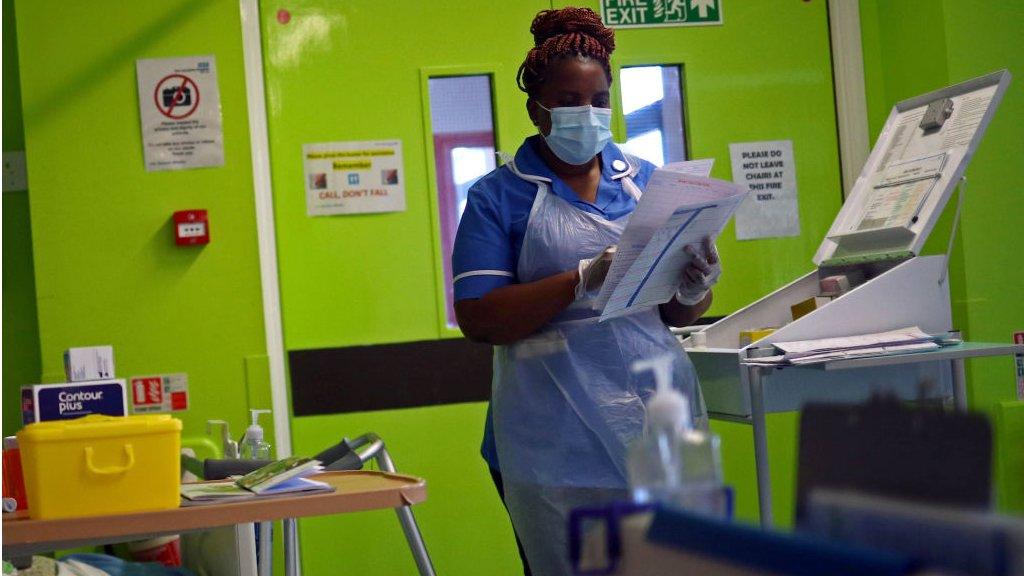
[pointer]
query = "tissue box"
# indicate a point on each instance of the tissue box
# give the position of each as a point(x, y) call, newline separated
point(92, 363)
point(43, 402)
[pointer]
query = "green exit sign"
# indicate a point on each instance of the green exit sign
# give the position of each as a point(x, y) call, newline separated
point(642, 13)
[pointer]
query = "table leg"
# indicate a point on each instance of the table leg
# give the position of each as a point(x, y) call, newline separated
point(265, 564)
point(757, 418)
point(959, 384)
point(408, 522)
point(412, 536)
point(291, 547)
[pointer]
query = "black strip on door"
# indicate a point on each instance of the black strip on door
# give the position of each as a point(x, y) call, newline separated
point(388, 376)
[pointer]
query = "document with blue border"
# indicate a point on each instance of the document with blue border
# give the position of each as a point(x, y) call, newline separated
point(676, 210)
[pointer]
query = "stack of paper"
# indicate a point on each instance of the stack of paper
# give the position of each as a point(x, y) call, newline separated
point(680, 207)
point(280, 477)
point(800, 352)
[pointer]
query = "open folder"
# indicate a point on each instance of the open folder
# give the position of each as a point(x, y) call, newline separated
point(680, 207)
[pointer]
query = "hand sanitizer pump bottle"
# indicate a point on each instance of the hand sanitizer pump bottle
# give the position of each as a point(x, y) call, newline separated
point(253, 446)
point(673, 463)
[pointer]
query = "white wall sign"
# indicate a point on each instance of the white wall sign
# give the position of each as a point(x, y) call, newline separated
point(354, 177)
point(768, 170)
point(159, 393)
point(179, 104)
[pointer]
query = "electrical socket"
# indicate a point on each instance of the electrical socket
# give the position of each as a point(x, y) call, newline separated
point(15, 176)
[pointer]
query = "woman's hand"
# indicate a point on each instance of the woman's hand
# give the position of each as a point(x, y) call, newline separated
point(693, 298)
point(593, 271)
point(511, 313)
point(700, 274)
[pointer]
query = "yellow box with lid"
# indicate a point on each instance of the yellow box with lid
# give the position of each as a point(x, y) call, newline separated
point(100, 465)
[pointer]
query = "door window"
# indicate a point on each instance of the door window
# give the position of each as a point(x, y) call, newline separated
point(462, 123)
point(652, 104)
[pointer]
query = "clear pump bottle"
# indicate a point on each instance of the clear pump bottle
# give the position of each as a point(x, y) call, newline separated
point(673, 462)
point(253, 446)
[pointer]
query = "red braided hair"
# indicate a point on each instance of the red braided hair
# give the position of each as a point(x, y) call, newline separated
point(565, 33)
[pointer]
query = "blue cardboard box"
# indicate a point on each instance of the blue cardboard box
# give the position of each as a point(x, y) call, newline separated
point(44, 402)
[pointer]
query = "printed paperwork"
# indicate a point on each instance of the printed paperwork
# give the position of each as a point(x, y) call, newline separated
point(909, 141)
point(642, 225)
point(680, 207)
point(801, 352)
point(280, 477)
point(897, 198)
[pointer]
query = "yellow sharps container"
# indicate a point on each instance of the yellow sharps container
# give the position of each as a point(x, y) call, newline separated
point(100, 465)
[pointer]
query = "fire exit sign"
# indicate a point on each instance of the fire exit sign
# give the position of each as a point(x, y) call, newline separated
point(643, 13)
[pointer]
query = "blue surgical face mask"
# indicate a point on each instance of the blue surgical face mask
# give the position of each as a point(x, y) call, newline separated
point(578, 133)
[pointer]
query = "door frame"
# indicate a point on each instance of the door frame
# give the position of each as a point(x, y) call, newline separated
point(848, 80)
point(259, 143)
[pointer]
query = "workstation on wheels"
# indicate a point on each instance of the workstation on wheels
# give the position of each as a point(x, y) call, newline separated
point(620, 287)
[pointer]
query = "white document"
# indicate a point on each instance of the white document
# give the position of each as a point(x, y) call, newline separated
point(910, 141)
point(688, 209)
point(902, 189)
point(769, 171)
point(902, 341)
point(700, 167)
point(657, 202)
point(179, 108)
point(916, 169)
point(354, 177)
point(893, 206)
point(901, 336)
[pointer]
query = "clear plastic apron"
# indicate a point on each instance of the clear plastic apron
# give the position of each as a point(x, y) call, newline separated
point(566, 404)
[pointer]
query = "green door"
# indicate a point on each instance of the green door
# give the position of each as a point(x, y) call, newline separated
point(361, 70)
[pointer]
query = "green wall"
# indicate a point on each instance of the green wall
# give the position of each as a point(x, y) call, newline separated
point(106, 267)
point(106, 270)
point(966, 39)
point(20, 329)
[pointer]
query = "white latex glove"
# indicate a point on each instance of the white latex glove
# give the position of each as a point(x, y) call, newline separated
point(700, 274)
point(593, 271)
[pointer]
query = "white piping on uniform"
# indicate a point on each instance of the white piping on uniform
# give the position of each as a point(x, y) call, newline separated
point(482, 273)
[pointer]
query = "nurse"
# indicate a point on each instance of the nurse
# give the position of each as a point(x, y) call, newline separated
point(530, 255)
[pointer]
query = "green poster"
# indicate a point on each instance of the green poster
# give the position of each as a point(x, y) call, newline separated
point(641, 13)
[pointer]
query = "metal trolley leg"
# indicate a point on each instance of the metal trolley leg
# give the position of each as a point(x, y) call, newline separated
point(408, 521)
point(291, 547)
point(266, 560)
point(352, 455)
point(764, 477)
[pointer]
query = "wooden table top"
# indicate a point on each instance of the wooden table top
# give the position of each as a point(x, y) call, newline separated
point(353, 491)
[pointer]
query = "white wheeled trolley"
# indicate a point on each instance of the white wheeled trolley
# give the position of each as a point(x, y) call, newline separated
point(916, 164)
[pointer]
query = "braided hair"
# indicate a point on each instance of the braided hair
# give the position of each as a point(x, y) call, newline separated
point(565, 33)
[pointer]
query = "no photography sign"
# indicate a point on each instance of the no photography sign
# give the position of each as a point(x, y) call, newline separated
point(179, 105)
point(176, 96)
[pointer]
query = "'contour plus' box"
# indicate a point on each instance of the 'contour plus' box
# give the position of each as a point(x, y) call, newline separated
point(43, 402)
